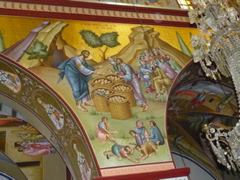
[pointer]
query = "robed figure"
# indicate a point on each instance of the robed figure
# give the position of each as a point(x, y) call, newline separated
point(78, 73)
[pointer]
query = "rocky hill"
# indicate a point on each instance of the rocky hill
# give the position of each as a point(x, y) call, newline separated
point(50, 34)
point(143, 38)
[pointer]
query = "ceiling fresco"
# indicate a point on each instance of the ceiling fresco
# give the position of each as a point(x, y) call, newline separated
point(126, 74)
point(195, 101)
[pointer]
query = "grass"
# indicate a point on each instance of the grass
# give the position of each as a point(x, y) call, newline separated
point(150, 117)
point(135, 115)
point(91, 135)
point(93, 112)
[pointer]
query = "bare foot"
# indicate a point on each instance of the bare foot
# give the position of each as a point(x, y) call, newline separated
point(145, 108)
point(158, 95)
point(80, 107)
point(88, 104)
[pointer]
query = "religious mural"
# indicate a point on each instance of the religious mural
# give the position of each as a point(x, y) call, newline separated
point(114, 77)
point(195, 101)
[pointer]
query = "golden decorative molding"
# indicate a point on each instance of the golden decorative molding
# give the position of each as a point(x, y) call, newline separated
point(157, 17)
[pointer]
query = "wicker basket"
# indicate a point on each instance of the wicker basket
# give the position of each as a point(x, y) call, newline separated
point(126, 91)
point(102, 82)
point(115, 78)
point(119, 109)
point(100, 99)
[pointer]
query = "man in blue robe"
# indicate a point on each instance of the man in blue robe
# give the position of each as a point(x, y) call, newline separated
point(78, 74)
point(156, 135)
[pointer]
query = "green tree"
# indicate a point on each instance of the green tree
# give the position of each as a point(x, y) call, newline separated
point(2, 44)
point(106, 40)
point(38, 51)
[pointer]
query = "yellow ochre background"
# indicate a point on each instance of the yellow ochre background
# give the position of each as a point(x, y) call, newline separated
point(16, 28)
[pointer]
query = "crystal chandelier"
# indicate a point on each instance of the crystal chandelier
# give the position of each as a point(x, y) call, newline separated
point(217, 49)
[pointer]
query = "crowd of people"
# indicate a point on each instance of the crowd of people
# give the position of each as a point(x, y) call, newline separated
point(157, 70)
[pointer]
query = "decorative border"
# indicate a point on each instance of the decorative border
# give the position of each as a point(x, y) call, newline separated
point(97, 12)
point(136, 169)
point(174, 174)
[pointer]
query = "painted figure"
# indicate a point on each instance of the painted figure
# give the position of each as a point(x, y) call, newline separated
point(174, 65)
point(33, 137)
point(141, 131)
point(161, 82)
point(146, 149)
point(120, 152)
point(53, 113)
point(10, 80)
point(224, 102)
point(145, 71)
point(37, 149)
point(26, 143)
point(156, 135)
point(167, 69)
point(198, 99)
point(131, 79)
point(78, 74)
point(103, 132)
point(82, 164)
point(138, 139)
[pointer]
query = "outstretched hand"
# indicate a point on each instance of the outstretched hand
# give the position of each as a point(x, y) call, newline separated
point(100, 73)
point(98, 67)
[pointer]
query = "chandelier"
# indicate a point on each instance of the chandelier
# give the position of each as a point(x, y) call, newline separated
point(217, 49)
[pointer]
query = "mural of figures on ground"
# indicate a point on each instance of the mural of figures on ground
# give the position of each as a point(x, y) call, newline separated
point(108, 74)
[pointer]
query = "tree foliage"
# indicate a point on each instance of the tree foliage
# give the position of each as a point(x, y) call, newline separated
point(91, 38)
point(94, 41)
point(38, 51)
point(108, 40)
